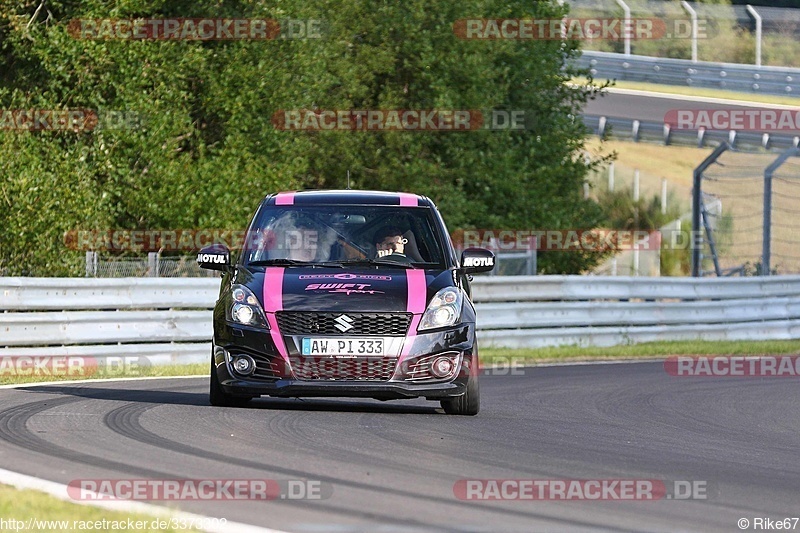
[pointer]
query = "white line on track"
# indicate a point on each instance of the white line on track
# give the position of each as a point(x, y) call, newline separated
point(57, 490)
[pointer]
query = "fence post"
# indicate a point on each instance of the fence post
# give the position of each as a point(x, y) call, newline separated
point(767, 229)
point(757, 18)
point(693, 15)
point(91, 264)
point(626, 26)
point(697, 235)
point(611, 177)
point(152, 264)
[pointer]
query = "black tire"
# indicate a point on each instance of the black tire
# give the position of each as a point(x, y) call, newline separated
point(218, 397)
point(467, 404)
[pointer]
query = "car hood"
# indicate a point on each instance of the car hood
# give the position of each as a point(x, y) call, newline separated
point(365, 290)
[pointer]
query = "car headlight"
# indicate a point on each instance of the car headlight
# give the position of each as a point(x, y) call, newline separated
point(444, 309)
point(245, 308)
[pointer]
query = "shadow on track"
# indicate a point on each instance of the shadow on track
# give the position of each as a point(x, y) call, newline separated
point(176, 397)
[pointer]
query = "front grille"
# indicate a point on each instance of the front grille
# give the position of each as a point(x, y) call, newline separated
point(305, 322)
point(331, 369)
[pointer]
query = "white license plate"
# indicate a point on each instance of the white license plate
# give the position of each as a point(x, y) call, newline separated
point(342, 346)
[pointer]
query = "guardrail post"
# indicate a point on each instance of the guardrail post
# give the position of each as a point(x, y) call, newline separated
point(626, 26)
point(753, 13)
point(693, 14)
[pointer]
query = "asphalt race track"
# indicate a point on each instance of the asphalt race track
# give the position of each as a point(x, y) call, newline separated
point(650, 108)
point(392, 466)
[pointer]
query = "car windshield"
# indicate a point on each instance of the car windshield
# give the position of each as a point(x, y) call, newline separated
point(343, 234)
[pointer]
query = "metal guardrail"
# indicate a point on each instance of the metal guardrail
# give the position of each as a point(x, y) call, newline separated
point(638, 130)
point(730, 76)
point(169, 319)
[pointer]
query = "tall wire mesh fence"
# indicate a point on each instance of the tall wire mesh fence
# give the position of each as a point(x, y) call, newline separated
point(785, 244)
point(733, 212)
point(152, 266)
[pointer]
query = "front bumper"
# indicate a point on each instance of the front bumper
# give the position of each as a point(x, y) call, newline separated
point(281, 380)
point(381, 390)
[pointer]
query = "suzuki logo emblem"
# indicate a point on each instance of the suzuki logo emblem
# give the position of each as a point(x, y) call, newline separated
point(343, 323)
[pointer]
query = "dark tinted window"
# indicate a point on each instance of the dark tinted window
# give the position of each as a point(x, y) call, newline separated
point(344, 232)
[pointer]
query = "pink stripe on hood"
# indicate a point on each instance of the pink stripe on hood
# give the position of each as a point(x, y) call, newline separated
point(416, 303)
point(273, 302)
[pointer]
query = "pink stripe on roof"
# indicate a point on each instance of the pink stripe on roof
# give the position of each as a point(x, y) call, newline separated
point(284, 198)
point(408, 199)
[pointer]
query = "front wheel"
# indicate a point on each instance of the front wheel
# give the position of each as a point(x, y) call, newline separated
point(470, 402)
point(218, 397)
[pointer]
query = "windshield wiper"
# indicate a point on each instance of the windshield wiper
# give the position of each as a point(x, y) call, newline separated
point(291, 262)
point(375, 262)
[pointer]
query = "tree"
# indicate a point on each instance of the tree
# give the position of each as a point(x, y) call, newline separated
point(207, 150)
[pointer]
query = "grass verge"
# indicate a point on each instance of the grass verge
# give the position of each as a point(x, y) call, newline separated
point(532, 355)
point(47, 513)
point(10, 377)
point(650, 349)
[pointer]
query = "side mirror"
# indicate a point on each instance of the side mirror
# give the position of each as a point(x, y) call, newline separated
point(475, 260)
point(214, 257)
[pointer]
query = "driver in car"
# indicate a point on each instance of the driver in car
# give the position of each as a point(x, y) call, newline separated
point(390, 241)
